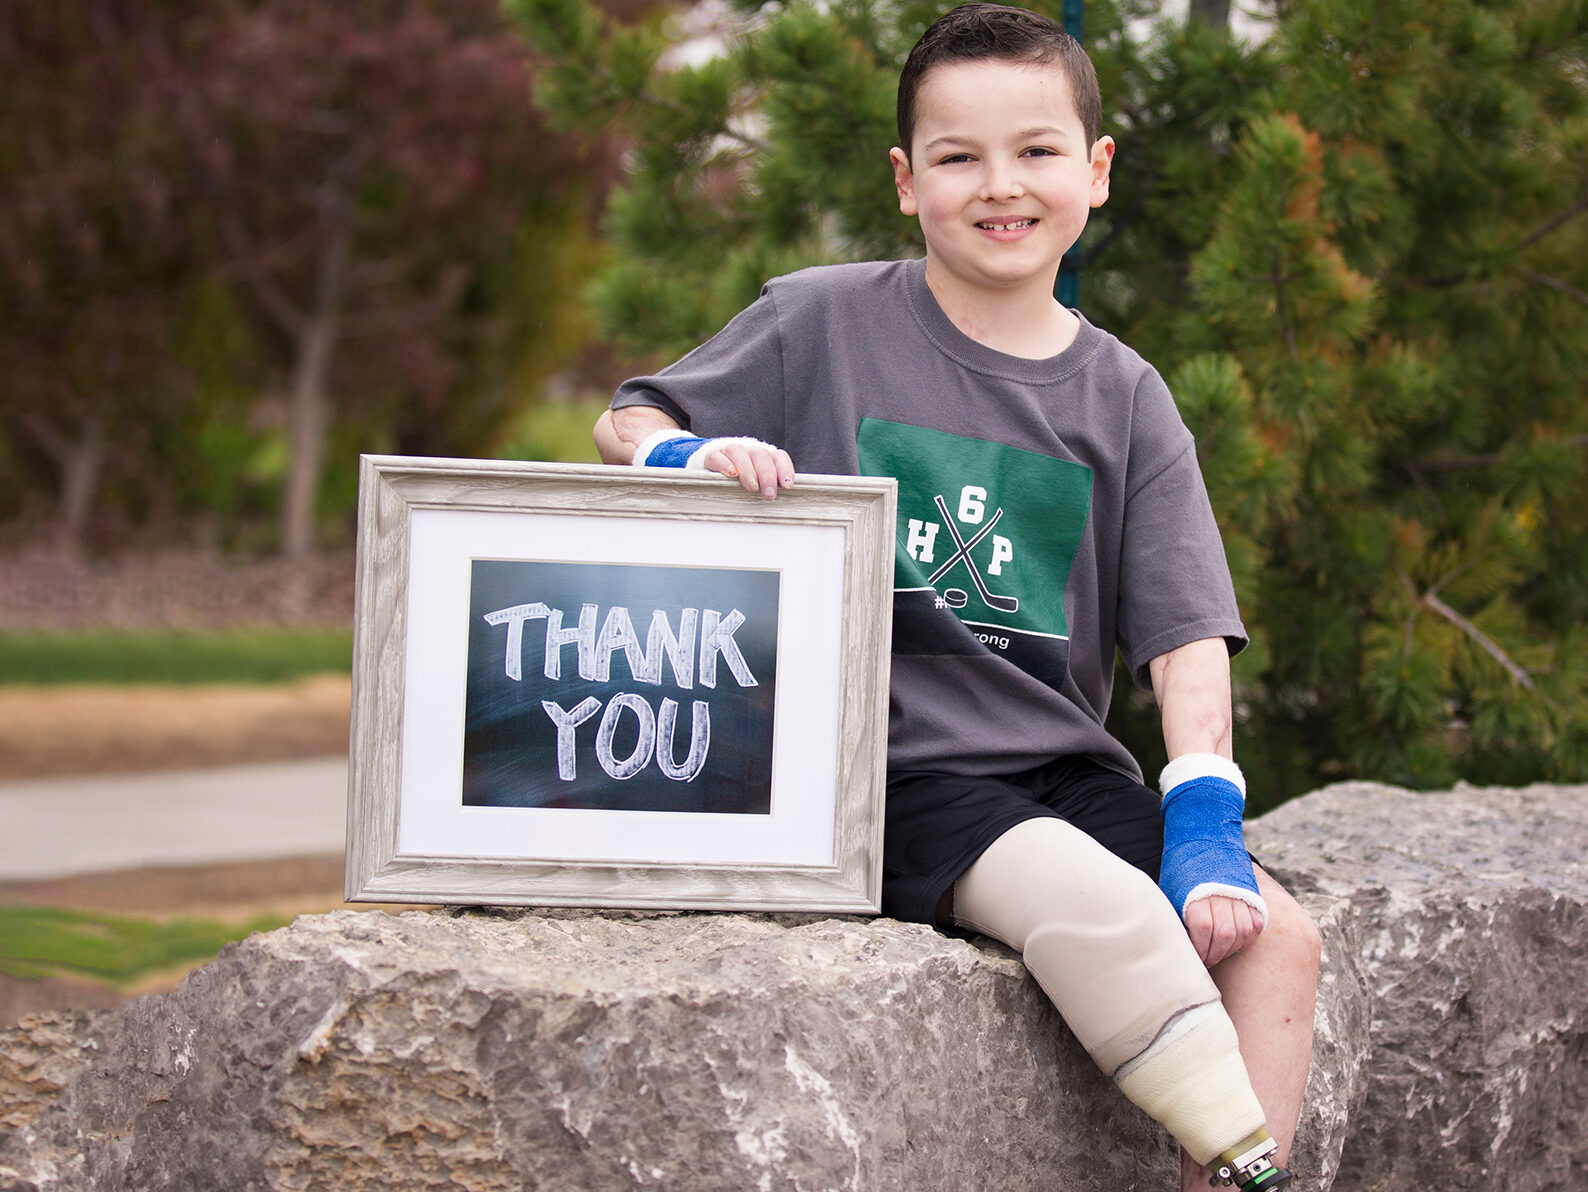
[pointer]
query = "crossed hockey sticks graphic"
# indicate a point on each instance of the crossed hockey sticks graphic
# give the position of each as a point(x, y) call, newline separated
point(1005, 604)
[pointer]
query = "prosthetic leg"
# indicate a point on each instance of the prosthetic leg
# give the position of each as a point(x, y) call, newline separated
point(1111, 954)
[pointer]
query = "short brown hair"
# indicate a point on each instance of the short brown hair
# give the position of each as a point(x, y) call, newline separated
point(997, 31)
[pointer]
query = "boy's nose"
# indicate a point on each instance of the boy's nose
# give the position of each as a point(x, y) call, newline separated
point(999, 183)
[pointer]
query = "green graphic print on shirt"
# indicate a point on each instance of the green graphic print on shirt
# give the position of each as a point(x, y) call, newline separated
point(987, 533)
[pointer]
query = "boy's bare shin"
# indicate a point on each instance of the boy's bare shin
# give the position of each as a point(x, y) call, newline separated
point(1269, 989)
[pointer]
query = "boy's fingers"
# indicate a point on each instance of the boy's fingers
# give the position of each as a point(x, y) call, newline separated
point(1256, 924)
point(1220, 927)
point(1223, 941)
point(731, 461)
point(785, 468)
point(767, 471)
point(1248, 924)
point(1199, 926)
point(756, 469)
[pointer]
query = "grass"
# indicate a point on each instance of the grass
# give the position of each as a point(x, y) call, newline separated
point(172, 656)
point(37, 942)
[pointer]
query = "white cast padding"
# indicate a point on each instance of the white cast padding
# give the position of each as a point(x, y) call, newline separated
point(1193, 1080)
point(697, 461)
point(1200, 765)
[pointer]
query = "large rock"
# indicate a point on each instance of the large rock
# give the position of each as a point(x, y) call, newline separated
point(569, 1051)
point(1474, 920)
point(584, 1051)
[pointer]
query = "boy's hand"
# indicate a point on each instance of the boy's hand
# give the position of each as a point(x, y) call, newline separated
point(1206, 873)
point(1220, 927)
point(618, 433)
point(758, 467)
point(632, 433)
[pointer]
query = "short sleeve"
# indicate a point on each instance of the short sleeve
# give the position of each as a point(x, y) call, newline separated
point(730, 385)
point(1174, 583)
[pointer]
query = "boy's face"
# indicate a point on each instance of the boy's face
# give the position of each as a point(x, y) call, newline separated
point(1000, 175)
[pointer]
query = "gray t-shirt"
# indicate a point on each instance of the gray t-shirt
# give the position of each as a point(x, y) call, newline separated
point(1048, 509)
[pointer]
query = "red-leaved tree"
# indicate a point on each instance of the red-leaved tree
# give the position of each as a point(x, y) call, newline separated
point(361, 162)
point(91, 242)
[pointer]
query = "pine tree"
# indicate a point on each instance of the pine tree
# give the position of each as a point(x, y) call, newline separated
point(757, 161)
point(1355, 249)
point(1389, 304)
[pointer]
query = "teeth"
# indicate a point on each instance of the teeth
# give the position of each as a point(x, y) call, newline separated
point(1013, 225)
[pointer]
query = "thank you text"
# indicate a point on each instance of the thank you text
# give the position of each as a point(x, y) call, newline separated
point(620, 687)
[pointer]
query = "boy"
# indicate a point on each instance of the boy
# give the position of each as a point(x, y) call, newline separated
point(1043, 467)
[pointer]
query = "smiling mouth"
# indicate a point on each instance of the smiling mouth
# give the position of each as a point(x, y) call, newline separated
point(1011, 225)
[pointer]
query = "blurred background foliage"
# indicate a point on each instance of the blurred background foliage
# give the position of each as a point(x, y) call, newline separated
point(243, 240)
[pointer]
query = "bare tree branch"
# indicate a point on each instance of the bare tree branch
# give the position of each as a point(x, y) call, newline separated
point(1554, 283)
point(1484, 641)
point(368, 275)
point(1486, 459)
point(442, 297)
point(1552, 225)
point(274, 299)
point(46, 434)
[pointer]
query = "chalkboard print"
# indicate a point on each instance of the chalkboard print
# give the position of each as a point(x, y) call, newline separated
point(620, 687)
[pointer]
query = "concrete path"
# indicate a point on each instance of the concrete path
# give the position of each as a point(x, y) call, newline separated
point(56, 827)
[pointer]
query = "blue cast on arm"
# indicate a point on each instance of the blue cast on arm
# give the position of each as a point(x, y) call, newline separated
point(1204, 850)
point(680, 449)
point(671, 452)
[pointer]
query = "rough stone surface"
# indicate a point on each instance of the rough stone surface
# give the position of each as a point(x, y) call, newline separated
point(1474, 923)
point(569, 1050)
point(575, 1051)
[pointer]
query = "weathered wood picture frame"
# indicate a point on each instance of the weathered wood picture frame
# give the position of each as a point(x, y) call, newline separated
point(492, 595)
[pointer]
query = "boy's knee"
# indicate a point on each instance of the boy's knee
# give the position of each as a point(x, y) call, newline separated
point(1291, 929)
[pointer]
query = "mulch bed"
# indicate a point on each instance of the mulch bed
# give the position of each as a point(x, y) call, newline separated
point(49, 732)
point(174, 588)
point(238, 890)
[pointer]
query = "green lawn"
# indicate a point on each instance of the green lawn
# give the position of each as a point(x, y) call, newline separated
point(40, 942)
point(172, 656)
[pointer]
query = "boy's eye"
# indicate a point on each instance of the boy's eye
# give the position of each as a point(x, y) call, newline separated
point(1039, 151)
point(954, 159)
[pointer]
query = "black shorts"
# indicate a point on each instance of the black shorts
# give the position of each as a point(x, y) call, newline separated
point(937, 825)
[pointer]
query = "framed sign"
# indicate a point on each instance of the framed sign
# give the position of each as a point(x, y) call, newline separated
point(630, 687)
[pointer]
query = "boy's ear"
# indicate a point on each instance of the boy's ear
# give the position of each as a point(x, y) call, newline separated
point(1102, 163)
point(903, 181)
